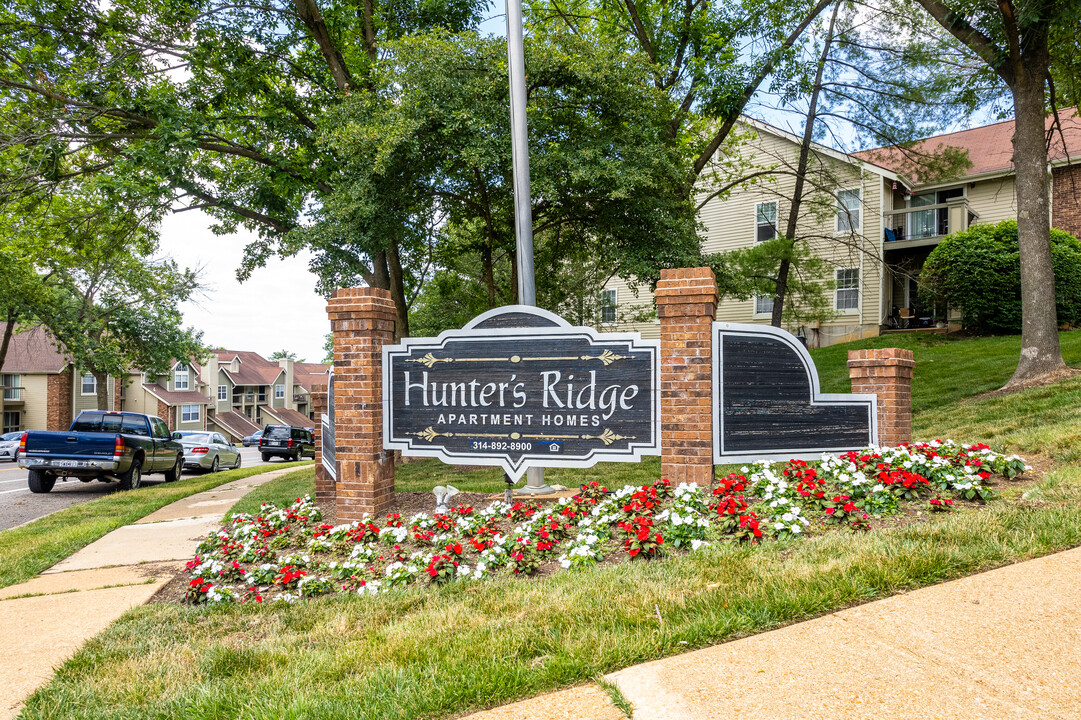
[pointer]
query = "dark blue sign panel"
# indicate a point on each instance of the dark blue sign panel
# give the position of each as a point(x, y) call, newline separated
point(767, 404)
point(520, 387)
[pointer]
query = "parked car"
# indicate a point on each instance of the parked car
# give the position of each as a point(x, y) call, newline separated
point(252, 439)
point(208, 451)
point(9, 445)
point(103, 446)
point(286, 441)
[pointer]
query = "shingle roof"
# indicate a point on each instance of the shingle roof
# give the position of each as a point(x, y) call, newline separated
point(33, 351)
point(289, 417)
point(185, 397)
point(235, 424)
point(254, 368)
point(309, 375)
point(990, 148)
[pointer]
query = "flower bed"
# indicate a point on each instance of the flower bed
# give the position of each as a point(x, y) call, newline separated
point(284, 554)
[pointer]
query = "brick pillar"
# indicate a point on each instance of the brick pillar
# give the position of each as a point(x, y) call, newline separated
point(362, 320)
point(886, 372)
point(59, 391)
point(325, 495)
point(686, 305)
point(118, 391)
point(166, 413)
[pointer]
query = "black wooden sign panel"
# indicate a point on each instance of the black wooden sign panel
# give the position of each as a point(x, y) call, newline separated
point(767, 404)
point(519, 387)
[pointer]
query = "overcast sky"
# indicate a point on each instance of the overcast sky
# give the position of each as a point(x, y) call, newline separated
point(276, 309)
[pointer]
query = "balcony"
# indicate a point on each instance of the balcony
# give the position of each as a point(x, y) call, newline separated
point(12, 395)
point(926, 224)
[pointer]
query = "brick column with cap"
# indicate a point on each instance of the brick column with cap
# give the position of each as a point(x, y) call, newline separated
point(325, 495)
point(686, 306)
point(362, 320)
point(887, 373)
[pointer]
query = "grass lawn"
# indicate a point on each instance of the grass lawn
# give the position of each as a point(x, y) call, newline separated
point(27, 550)
point(435, 653)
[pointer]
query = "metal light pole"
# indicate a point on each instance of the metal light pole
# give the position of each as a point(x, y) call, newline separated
point(523, 215)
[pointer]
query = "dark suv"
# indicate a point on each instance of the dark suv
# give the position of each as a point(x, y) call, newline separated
point(286, 441)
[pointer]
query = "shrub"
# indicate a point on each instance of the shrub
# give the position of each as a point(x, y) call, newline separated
point(979, 271)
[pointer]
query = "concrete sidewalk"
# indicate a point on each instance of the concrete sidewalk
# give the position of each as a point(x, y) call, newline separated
point(1001, 644)
point(49, 617)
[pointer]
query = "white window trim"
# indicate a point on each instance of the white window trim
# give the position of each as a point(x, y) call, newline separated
point(82, 385)
point(754, 308)
point(177, 372)
point(223, 390)
point(279, 391)
point(776, 219)
point(614, 304)
point(858, 288)
point(858, 228)
point(193, 416)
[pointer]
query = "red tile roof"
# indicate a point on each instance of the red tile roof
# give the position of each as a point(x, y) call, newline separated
point(990, 148)
point(169, 397)
point(289, 417)
point(33, 350)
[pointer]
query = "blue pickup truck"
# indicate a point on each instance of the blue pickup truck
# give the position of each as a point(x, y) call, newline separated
point(103, 446)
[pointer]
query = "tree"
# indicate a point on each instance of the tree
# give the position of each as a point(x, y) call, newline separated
point(284, 355)
point(210, 105)
point(1018, 43)
point(95, 284)
point(433, 141)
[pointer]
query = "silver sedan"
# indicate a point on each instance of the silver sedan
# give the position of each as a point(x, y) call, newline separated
point(208, 451)
point(9, 445)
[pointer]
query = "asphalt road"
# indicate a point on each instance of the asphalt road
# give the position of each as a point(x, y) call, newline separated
point(18, 505)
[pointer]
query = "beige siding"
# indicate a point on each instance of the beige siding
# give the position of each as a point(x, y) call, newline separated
point(82, 402)
point(993, 200)
point(730, 224)
point(35, 401)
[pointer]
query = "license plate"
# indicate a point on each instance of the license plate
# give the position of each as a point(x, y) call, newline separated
point(68, 463)
point(276, 442)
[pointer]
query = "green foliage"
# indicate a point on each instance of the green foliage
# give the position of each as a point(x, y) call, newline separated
point(978, 270)
point(433, 141)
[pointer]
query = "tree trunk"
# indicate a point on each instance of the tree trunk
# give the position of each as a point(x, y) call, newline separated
point(397, 292)
point(101, 381)
point(1040, 352)
point(9, 330)
point(801, 174)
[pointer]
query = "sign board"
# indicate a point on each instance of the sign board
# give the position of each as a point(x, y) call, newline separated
point(767, 404)
point(520, 387)
point(326, 436)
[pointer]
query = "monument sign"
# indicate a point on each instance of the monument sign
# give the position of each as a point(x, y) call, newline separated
point(519, 387)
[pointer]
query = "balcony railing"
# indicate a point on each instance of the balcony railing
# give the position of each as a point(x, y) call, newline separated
point(13, 394)
point(927, 222)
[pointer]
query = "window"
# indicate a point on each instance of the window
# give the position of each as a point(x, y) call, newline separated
point(279, 391)
point(848, 210)
point(608, 306)
point(180, 377)
point(12, 421)
point(12, 391)
point(161, 430)
point(132, 425)
point(189, 413)
point(765, 221)
point(763, 305)
point(848, 289)
point(223, 392)
point(90, 385)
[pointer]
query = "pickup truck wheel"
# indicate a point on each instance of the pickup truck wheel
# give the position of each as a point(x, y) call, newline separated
point(40, 481)
point(133, 478)
point(173, 474)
